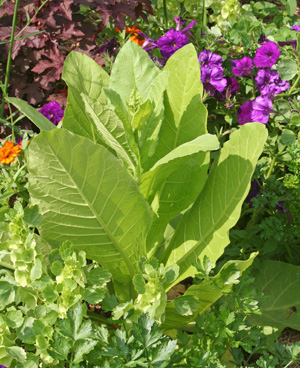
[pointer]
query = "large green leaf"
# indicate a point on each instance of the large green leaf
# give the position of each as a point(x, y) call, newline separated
point(279, 282)
point(86, 196)
point(174, 183)
point(185, 114)
point(169, 183)
point(31, 113)
point(132, 69)
point(153, 179)
point(204, 294)
point(77, 120)
point(149, 133)
point(110, 130)
point(203, 230)
point(83, 74)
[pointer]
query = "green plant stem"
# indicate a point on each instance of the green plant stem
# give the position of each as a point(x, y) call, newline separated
point(12, 124)
point(203, 22)
point(274, 160)
point(9, 57)
point(7, 266)
point(289, 252)
point(295, 84)
point(165, 13)
point(99, 319)
point(30, 21)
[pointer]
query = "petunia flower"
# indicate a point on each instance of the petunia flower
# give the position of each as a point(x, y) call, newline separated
point(266, 55)
point(262, 39)
point(257, 110)
point(288, 43)
point(212, 78)
point(180, 23)
point(229, 92)
point(242, 67)
point(149, 44)
point(269, 82)
point(53, 112)
point(296, 28)
point(109, 46)
point(9, 152)
point(207, 57)
point(171, 42)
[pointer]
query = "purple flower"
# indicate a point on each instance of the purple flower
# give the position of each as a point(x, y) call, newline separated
point(254, 191)
point(296, 28)
point(262, 39)
point(242, 68)
point(109, 46)
point(149, 44)
point(180, 23)
point(269, 82)
point(288, 43)
point(257, 110)
point(229, 92)
point(212, 78)
point(206, 57)
point(172, 41)
point(280, 207)
point(266, 55)
point(53, 112)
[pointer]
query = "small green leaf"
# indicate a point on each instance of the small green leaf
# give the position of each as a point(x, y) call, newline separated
point(139, 284)
point(31, 113)
point(37, 270)
point(7, 294)
point(288, 137)
point(291, 7)
point(14, 319)
point(98, 276)
point(60, 347)
point(94, 294)
point(172, 273)
point(287, 68)
point(83, 347)
point(32, 216)
point(57, 268)
point(186, 305)
point(17, 353)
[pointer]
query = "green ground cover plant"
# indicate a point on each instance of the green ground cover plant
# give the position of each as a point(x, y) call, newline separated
point(154, 222)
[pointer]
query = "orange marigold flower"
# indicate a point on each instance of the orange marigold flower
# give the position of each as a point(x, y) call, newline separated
point(9, 152)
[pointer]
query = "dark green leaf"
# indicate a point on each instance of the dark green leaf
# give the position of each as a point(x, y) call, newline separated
point(60, 347)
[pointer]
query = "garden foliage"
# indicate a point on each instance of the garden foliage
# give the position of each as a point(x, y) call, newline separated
point(127, 226)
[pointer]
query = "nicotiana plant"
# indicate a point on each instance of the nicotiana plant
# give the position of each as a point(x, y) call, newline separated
point(129, 181)
point(128, 177)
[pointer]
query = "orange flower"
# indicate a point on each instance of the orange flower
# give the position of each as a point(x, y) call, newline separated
point(9, 152)
point(136, 37)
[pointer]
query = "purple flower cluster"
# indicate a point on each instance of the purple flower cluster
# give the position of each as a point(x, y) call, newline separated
point(212, 72)
point(268, 82)
point(53, 112)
